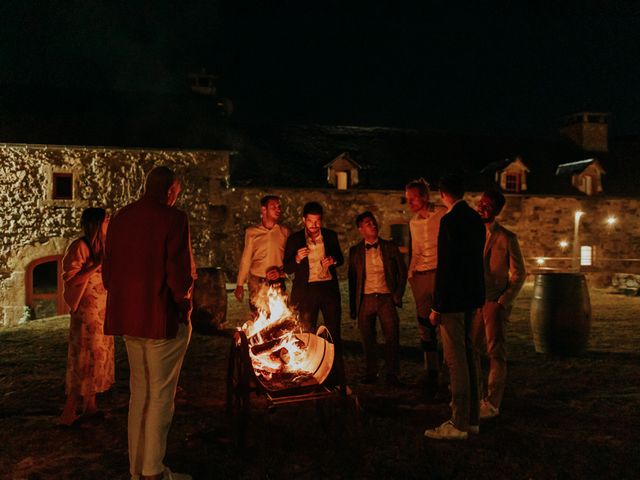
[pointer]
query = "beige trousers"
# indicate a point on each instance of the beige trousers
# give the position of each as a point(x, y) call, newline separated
point(488, 332)
point(154, 367)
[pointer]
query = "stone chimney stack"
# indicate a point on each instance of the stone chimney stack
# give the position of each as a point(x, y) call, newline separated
point(588, 130)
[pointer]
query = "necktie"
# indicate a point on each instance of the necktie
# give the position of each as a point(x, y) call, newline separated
point(371, 245)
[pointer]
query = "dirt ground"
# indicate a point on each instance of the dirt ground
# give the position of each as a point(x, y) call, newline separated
point(562, 418)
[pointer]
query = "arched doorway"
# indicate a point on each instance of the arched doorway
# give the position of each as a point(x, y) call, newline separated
point(44, 287)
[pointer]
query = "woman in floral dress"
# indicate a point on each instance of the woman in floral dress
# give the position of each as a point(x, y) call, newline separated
point(90, 363)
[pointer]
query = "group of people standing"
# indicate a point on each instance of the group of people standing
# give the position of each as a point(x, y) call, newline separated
point(135, 279)
point(465, 270)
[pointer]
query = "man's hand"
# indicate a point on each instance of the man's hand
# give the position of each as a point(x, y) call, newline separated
point(326, 262)
point(302, 254)
point(239, 292)
point(435, 318)
point(273, 274)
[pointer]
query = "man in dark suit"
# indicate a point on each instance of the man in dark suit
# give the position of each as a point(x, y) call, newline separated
point(312, 255)
point(377, 278)
point(459, 292)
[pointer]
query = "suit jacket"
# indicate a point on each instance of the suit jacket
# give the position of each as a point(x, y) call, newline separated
point(148, 270)
point(504, 270)
point(297, 241)
point(395, 273)
point(460, 273)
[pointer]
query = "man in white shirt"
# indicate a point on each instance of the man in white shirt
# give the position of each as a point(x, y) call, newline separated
point(377, 279)
point(262, 257)
point(424, 227)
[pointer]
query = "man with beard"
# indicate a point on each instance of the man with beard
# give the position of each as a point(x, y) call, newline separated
point(262, 257)
point(312, 255)
point(504, 275)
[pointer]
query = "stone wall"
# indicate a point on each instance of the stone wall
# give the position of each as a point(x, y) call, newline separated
point(33, 225)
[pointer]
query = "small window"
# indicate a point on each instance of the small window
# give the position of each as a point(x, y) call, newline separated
point(62, 186)
point(586, 255)
point(512, 183)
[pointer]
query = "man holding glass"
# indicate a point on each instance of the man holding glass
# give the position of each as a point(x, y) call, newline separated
point(312, 255)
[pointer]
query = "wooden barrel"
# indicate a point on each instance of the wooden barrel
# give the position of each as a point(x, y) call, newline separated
point(560, 313)
point(209, 300)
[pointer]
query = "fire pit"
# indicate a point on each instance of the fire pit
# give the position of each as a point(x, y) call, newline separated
point(271, 356)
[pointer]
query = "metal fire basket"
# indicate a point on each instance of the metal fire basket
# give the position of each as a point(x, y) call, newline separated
point(242, 380)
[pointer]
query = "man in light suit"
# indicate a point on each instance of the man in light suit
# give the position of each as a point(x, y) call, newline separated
point(377, 279)
point(504, 275)
point(459, 291)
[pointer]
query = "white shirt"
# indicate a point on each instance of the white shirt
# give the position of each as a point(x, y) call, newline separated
point(424, 239)
point(263, 248)
point(374, 280)
point(316, 254)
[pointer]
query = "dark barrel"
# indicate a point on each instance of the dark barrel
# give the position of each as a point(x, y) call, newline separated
point(209, 300)
point(560, 313)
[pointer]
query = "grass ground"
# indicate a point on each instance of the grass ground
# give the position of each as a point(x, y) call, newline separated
point(575, 417)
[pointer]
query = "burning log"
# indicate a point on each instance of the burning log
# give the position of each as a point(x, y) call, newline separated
point(274, 331)
point(281, 356)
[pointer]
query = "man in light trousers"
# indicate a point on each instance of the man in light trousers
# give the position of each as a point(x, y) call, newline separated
point(149, 274)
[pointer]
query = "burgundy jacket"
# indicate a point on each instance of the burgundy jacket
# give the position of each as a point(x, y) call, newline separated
point(148, 270)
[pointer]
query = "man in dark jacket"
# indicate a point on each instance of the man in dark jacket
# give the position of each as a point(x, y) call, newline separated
point(459, 292)
point(312, 255)
point(377, 278)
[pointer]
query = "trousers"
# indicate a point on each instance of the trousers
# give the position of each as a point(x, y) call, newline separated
point(154, 367)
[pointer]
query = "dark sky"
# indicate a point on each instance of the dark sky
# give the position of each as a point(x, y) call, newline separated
point(513, 67)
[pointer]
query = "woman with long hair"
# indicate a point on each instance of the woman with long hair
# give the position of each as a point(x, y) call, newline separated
point(90, 358)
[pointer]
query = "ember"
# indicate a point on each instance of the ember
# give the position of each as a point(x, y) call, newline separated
point(281, 354)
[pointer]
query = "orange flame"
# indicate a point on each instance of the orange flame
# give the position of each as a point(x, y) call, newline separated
point(274, 346)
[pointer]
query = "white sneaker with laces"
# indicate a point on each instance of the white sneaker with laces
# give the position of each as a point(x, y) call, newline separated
point(487, 410)
point(446, 431)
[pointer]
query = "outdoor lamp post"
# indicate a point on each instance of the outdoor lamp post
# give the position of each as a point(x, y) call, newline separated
point(576, 241)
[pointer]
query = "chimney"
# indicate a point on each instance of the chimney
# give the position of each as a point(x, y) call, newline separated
point(588, 130)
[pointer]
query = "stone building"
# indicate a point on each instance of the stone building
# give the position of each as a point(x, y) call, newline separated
point(43, 190)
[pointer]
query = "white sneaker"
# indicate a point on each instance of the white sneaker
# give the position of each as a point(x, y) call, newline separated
point(446, 431)
point(474, 429)
point(169, 475)
point(487, 410)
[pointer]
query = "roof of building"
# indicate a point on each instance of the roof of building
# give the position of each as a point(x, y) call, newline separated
point(574, 167)
point(297, 155)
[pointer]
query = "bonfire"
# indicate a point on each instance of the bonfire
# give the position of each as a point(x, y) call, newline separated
point(282, 355)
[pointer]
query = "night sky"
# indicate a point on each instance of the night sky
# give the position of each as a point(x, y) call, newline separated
point(510, 68)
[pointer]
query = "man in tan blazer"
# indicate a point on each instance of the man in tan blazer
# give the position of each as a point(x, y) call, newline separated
point(504, 274)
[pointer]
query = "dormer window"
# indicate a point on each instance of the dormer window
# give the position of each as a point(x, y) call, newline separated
point(512, 182)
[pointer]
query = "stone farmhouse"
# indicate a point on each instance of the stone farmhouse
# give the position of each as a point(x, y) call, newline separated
point(44, 189)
